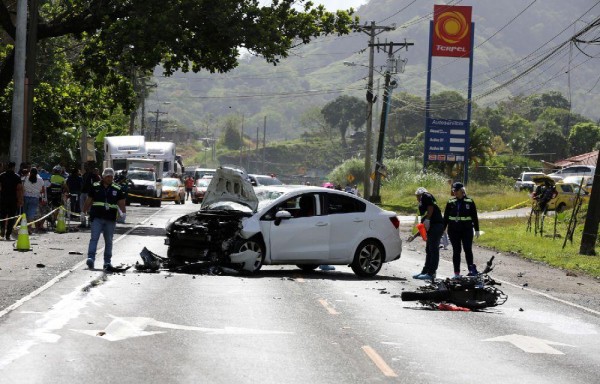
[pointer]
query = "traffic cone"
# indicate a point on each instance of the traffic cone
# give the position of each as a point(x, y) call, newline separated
point(60, 222)
point(23, 238)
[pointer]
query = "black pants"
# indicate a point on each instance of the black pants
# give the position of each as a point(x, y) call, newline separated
point(432, 248)
point(461, 234)
point(7, 211)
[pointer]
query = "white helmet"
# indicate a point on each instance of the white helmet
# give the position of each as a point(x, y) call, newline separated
point(420, 191)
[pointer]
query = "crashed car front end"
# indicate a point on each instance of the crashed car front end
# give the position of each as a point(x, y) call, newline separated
point(204, 235)
point(212, 233)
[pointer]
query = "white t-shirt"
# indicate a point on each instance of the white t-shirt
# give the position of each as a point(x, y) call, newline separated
point(33, 189)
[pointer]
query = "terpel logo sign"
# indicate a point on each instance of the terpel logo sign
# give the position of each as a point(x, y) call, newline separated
point(451, 31)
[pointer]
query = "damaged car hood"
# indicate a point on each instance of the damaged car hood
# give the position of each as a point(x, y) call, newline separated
point(230, 185)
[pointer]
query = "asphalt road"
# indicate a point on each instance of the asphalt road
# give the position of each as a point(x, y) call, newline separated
point(278, 326)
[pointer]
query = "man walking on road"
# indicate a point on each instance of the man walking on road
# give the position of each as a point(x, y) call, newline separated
point(11, 199)
point(434, 225)
point(104, 200)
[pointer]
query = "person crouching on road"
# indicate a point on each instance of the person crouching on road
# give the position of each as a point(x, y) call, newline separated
point(460, 216)
point(434, 225)
point(103, 201)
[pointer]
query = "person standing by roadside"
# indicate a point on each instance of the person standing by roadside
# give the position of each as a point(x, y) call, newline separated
point(11, 198)
point(75, 183)
point(88, 179)
point(460, 216)
point(189, 185)
point(434, 225)
point(35, 194)
point(103, 203)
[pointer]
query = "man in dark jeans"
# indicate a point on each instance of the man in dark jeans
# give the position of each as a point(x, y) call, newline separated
point(11, 198)
point(434, 224)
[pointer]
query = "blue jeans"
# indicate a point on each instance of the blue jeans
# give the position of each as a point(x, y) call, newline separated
point(432, 248)
point(31, 207)
point(107, 229)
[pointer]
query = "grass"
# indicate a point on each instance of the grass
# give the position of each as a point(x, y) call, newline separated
point(510, 235)
point(400, 196)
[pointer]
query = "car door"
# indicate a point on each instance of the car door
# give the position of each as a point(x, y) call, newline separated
point(348, 222)
point(301, 237)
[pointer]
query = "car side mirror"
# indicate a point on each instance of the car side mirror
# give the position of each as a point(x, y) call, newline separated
point(282, 215)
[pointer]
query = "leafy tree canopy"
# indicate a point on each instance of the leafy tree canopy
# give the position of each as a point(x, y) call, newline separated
point(343, 112)
point(583, 138)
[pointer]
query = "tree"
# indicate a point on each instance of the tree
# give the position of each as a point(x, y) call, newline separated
point(583, 138)
point(562, 117)
point(314, 120)
point(517, 133)
point(115, 38)
point(406, 118)
point(231, 137)
point(549, 140)
point(480, 144)
point(345, 112)
point(539, 103)
point(448, 105)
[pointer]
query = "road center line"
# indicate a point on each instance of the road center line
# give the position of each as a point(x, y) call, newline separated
point(379, 362)
point(328, 307)
point(58, 278)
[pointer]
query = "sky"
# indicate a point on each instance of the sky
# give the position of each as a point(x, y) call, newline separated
point(340, 4)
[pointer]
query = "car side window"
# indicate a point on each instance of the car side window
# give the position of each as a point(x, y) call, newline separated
point(566, 188)
point(337, 204)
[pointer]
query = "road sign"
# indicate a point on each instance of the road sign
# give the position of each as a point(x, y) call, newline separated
point(446, 140)
point(350, 178)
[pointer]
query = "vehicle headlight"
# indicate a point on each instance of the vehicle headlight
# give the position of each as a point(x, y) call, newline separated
point(151, 187)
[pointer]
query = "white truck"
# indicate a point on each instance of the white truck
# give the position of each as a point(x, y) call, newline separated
point(117, 149)
point(165, 151)
point(146, 181)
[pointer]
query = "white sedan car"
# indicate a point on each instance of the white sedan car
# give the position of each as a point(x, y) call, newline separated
point(305, 226)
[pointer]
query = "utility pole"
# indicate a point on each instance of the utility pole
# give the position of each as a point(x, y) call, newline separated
point(264, 144)
point(156, 130)
point(30, 80)
point(387, 91)
point(241, 140)
point(18, 105)
point(372, 30)
point(590, 228)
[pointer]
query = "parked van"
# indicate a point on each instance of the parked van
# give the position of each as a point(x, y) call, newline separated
point(573, 170)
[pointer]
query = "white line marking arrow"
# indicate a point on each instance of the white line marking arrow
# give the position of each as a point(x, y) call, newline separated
point(531, 344)
point(122, 328)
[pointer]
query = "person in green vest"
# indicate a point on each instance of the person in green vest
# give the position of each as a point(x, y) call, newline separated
point(103, 202)
point(460, 217)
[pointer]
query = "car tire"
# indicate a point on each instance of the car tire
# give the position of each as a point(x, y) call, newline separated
point(256, 244)
point(194, 201)
point(368, 259)
point(561, 207)
point(307, 267)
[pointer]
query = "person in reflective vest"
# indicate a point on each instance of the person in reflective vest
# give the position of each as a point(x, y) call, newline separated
point(103, 202)
point(460, 217)
point(57, 190)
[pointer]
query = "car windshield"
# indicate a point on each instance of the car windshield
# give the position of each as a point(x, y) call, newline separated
point(141, 175)
point(268, 195)
point(528, 176)
point(170, 183)
point(203, 182)
point(266, 180)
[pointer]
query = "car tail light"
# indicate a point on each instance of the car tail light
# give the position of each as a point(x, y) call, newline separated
point(395, 221)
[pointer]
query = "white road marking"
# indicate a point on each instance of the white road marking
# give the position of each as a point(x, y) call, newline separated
point(531, 344)
point(122, 328)
point(58, 278)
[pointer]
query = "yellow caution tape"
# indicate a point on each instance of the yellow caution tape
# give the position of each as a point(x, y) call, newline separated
point(516, 205)
point(10, 218)
point(144, 197)
point(18, 223)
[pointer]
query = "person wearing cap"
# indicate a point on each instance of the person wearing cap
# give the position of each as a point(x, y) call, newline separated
point(432, 219)
point(11, 198)
point(460, 217)
point(103, 202)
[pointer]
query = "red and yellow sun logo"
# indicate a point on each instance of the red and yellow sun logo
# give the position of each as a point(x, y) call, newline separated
point(451, 27)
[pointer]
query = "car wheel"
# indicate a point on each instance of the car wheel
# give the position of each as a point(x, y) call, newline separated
point(307, 267)
point(368, 259)
point(561, 207)
point(194, 201)
point(253, 244)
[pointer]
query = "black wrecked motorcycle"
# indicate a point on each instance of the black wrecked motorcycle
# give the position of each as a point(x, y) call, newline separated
point(471, 292)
